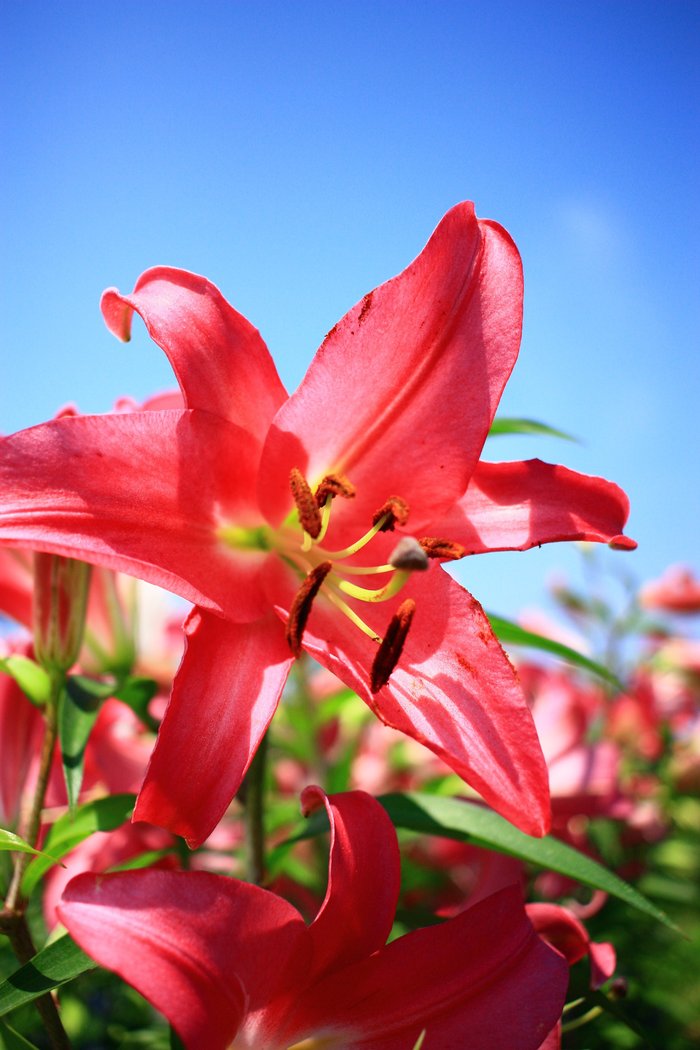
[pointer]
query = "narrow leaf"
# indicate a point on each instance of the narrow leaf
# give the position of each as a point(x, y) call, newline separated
point(104, 814)
point(79, 707)
point(137, 693)
point(12, 1040)
point(459, 819)
point(32, 679)
point(10, 841)
point(509, 633)
point(58, 962)
point(502, 425)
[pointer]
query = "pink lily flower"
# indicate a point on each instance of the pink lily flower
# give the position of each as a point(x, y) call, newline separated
point(273, 514)
point(233, 965)
point(676, 591)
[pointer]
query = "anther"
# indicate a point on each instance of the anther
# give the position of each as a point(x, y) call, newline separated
point(391, 648)
point(301, 606)
point(408, 554)
point(334, 485)
point(307, 507)
point(435, 547)
point(395, 510)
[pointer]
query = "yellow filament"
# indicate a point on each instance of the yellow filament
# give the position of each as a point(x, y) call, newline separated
point(367, 570)
point(351, 614)
point(362, 542)
point(325, 518)
point(382, 594)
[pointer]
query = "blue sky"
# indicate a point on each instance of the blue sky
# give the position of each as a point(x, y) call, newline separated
point(298, 154)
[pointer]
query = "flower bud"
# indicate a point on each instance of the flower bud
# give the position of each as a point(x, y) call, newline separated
point(60, 599)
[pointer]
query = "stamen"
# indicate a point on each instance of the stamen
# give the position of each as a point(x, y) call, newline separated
point(435, 547)
point(394, 511)
point(334, 485)
point(307, 507)
point(391, 648)
point(301, 606)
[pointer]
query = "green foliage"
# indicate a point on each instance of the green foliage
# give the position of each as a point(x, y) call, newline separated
point(60, 961)
point(32, 679)
point(15, 843)
point(104, 814)
point(509, 633)
point(502, 425)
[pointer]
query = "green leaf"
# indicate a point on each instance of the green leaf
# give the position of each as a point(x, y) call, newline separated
point(11, 1040)
point(104, 814)
point(10, 841)
point(32, 679)
point(58, 962)
point(79, 706)
point(459, 819)
point(509, 633)
point(502, 425)
point(137, 694)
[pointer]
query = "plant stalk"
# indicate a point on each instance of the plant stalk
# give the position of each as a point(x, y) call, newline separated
point(13, 921)
point(254, 815)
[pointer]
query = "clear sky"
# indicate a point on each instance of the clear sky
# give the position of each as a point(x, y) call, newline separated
point(300, 153)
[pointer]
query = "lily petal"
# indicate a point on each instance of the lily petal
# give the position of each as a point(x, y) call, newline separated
point(219, 358)
point(224, 695)
point(453, 690)
point(484, 979)
point(142, 492)
point(561, 928)
point(16, 585)
point(401, 394)
point(364, 873)
point(514, 506)
point(197, 946)
point(21, 733)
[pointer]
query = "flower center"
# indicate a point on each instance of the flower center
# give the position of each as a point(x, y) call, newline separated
point(300, 542)
point(334, 572)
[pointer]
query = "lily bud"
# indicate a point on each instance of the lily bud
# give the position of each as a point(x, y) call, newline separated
point(60, 600)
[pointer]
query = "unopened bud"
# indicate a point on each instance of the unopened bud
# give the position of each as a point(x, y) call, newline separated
point(60, 600)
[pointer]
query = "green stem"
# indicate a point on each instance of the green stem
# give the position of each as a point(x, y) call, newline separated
point(13, 921)
point(254, 815)
point(34, 822)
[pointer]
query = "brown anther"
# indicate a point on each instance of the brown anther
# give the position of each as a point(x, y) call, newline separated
point(307, 507)
point(301, 606)
point(391, 648)
point(396, 512)
point(409, 555)
point(334, 485)
point(436, 547)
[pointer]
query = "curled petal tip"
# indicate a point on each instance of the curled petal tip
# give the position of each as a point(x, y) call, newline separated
point(312, 798)
point(117, 314)
point(622, 543)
